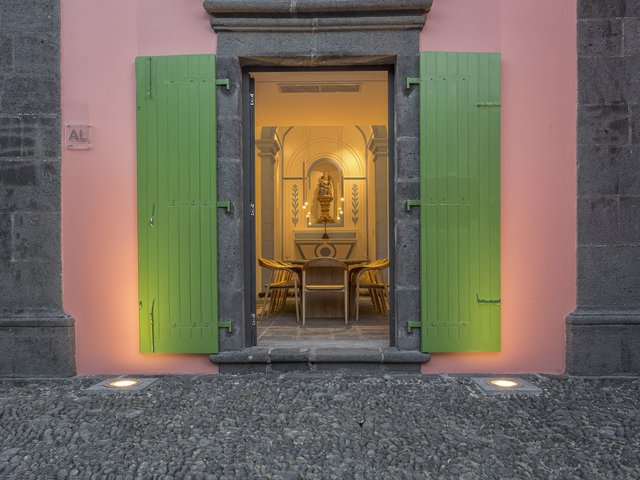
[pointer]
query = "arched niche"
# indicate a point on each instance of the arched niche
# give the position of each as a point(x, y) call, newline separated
point(314, 173)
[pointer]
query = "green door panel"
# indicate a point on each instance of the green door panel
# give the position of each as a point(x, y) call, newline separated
point(177, 215)
point(460, 201)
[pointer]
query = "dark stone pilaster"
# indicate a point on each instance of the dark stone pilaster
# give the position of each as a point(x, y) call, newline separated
point(36, 337)
point(603, 334)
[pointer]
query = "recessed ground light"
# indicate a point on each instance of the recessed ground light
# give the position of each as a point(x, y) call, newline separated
point(499, 385)
point(504, 383)
point(121, 384)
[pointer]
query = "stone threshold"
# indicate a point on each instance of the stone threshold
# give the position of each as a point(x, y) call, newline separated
point(319, 359)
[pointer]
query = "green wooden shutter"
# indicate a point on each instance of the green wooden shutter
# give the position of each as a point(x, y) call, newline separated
point(177, 227)
point(460, 201)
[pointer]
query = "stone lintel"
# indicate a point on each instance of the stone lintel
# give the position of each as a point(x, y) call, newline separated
point(292, 7)
point(316, 60)
point(316, 15)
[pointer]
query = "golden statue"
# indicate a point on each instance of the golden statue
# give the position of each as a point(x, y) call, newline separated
point(324, 185)
point(325, 198)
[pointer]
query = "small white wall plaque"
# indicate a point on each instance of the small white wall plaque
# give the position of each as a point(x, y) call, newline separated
point(78, 137)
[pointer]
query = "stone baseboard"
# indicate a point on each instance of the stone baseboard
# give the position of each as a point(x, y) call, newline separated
point(37, 346)
point(603, 342)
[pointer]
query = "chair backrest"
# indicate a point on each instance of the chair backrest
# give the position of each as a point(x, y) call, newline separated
point(325, 262)
point(379, 264)
point(265, 263)
point(324, 271)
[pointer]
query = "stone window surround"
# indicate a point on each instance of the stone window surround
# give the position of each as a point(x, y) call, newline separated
point(319, 33)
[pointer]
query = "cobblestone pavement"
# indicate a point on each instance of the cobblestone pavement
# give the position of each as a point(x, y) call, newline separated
point(320, 426)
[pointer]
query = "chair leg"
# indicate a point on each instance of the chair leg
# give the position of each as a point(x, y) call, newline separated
point(357, 298)
point(352, 295)
point(264, 301)
point(346, 298)
point(295, 293)
point(304, 300)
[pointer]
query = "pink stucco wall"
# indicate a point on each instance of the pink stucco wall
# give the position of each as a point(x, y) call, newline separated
point(538, 168)
point(99, 238)
point(538, 48)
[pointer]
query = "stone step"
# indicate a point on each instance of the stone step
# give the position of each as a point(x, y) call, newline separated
point(319, 359)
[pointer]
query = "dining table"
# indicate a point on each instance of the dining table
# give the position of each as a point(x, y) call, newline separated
point(327, 304)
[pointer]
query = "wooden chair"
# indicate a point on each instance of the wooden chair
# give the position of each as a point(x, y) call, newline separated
point(284, 277)
point(320, 275)
point(369, 277)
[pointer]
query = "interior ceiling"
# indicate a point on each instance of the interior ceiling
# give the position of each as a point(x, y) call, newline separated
point(367, 106)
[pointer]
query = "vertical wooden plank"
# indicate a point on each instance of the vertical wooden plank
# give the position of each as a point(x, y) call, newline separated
point(206, 164)
point(162, 302)
point(462, 112)
point(173, 188)
point(453, 207)
point(494, 188)
point(193, 143)
point(483, 184)
point(474, 197)
point(184, 167)
point(152, 191)
point(142, 81)
point(212, 108)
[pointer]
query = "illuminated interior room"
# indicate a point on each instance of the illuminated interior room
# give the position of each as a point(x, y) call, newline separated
point(321, 176)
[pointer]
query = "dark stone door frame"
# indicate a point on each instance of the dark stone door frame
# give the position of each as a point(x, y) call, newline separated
point(317, 33)
point(379, 147)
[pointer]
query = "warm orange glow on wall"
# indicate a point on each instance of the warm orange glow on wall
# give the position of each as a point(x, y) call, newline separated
point(319, 109)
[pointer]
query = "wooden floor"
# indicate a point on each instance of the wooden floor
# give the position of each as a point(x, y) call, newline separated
point(282, 329)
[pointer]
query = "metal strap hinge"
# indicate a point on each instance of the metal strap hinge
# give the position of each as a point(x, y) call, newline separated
point(224, 204)
point(226, 325)
point(223, 82)
point(411, 325)
point(148, 88)
point(153, 326)
point(412, 81)
point(488, 104)
point(487, 302)
point(411, 203)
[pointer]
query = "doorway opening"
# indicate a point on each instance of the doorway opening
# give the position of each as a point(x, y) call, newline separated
point(321, 188)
